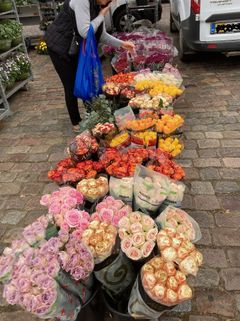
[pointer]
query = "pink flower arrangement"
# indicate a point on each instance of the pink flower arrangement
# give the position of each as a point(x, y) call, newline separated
point(77, 259)
point(36, 232)
point(111, 211)
point(138, 234)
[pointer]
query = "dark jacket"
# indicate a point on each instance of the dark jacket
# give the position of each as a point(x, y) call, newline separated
point(60, 33)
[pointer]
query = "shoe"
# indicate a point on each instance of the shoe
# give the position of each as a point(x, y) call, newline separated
point(76, 129)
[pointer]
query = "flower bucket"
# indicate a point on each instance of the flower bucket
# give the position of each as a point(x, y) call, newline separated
point(93, 309)
point(114, 312)
point(5, 6)
point(16, 41)
point(5, 44)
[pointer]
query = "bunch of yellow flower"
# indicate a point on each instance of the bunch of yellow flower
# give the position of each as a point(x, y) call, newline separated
point(171, 145)
point(157, 87)
point(42, 48)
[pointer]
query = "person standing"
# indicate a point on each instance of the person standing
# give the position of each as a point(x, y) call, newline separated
point(77, 15)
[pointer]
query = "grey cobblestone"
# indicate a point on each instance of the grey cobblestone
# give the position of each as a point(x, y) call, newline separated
point(202, 188)
point(207, 162)
point(208, 143)
point(209, 173)
point(226, 187)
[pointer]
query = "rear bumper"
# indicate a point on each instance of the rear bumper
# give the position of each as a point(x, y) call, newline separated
point(191, 34)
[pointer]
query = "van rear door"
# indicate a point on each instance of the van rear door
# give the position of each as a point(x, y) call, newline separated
point(219, 20)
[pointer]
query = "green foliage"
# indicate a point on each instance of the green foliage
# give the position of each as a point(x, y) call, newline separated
point(10, 29)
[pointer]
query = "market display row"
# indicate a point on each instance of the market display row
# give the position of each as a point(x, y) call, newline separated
point(115, 220)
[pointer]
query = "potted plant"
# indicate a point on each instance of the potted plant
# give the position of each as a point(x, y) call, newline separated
point(16, 28)
point(5, 5)
point(8, 73)
point(24, 65)
point(5, 38)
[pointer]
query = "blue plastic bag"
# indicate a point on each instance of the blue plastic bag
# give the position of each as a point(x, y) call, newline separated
point(89, 78)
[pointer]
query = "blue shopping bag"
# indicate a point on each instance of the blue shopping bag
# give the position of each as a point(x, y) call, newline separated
point(89, 78)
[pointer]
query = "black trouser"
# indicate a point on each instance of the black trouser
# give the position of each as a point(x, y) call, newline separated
point(66, 69)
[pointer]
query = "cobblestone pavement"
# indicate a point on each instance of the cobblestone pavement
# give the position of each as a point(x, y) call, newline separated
point(33, 139)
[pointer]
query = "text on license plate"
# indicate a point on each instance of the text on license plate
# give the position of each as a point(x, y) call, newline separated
point(225, 27)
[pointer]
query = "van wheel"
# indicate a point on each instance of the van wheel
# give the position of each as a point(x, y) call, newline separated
point(124, 22)
point(184, 51)
point(173, 27)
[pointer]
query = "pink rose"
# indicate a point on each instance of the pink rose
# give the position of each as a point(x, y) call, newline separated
point(95, 216)
point(135, 217)
point(71, 202)
point(49, 297)
point(147, 248)
point(124, 223)
point(85, 215)
point(100, 206)
point(118, 204)
point(106, 215)
point(152, 234)
point(45, 200)
point(54, 208)
point(147, 223)
point(29, 302)
point(73, 218)
point(56, 194)
point(122, 232)
point(115, 220)
point(11, 294)
point(84, 224)
point(126, 244)
point(78, 273)
point(134, 254)
point(136, 228)
point(138, 239)
point(24, 285)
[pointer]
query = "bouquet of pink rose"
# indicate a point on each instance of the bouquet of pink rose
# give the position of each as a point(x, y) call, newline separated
point(138, 234)
point(111, 211)
point(33, 284)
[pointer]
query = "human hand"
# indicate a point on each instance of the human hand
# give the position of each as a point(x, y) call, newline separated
point(105, 10)
point(129, 46)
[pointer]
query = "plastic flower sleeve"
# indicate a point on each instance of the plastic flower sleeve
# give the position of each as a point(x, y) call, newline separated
point(122, 189)
point(122, 115)
point(142, 307)
point(179, 220)
point(150, 190)
point(65, 308)
point(175, 195)
point(81, 289)
point(116, 274)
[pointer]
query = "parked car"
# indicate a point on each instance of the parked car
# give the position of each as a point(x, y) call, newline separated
point(119, 16)
point(206, 25)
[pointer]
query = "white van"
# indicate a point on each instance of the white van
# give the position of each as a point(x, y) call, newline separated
point(120, 18)
point(206, 25)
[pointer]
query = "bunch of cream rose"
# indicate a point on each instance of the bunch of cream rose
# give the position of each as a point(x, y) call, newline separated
point(111, 211)
point(138, 234)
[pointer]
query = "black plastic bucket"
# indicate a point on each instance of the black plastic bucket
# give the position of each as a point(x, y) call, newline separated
point(93, 309)
point(114, 313)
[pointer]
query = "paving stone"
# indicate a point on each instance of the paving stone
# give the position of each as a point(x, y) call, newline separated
point(13, 234)
point(198, 187)
point(234, 257)
point(215, 127)
point(214, 135)
point(230, 142)
point(209, 152)
point(17, 149)
point(197, 128)
point(19, 316)
point(204, 219)
point(206, 237)
point(7, 177)
point(190, 144)
point(208, 143)
point(214, 258)
point(191, 173)
point(56, 157)
point(194, 135)
point(32, 188)
point(230, 173)
point(3, 302)
point(39, 149)
point(6, 166)
point(187, 202)
point(229, 152)
point(202, 318)
point(9, 188)
point(232, 162)
point(231, 134)
point(207, 162)
point(228, 219)
point(237, 298)
point(231, 278)
point(230, 202)
point(226, 187)
point(210, 173)
point(206, 202)
point(37, 158)
point(214, 301)
point(2, 231)
point(12, 217)
point(206, 278)
point(225, 237)
point(185, 162)
point(189, 153)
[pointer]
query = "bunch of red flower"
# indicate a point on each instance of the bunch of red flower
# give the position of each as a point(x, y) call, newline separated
point(68, 171)
point(83, 146)
point(167, 167)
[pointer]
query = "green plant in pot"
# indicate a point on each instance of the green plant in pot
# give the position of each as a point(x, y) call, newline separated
point(5, 38)
point(5, 5)
point(9, 72)
point(23, 63)
point(15, 30)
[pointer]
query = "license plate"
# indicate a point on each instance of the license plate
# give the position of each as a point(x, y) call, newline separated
point(224, 27)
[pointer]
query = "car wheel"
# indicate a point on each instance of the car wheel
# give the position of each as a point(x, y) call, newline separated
point(124, 22)
point(173, 27)
point(184, 51)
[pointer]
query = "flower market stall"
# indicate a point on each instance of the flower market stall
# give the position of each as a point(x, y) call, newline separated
point(114, 227)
